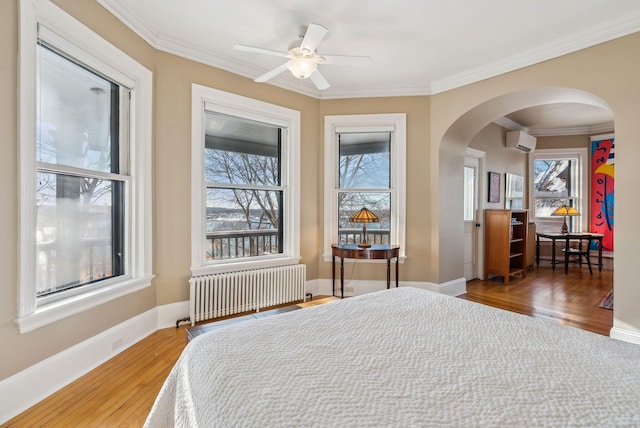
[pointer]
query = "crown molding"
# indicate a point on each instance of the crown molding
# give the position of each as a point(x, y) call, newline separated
point(601, 33)
point(578, 130)
point(512, 125)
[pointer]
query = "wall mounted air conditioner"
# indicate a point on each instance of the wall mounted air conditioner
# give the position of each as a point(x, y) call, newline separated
point(519, 140)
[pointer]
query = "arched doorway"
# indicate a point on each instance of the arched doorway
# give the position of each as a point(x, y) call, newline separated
point(451, 158)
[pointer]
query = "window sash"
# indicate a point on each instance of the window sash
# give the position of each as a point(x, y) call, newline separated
point(59, 277)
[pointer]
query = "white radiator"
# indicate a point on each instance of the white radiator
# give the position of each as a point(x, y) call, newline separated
point(217, 295)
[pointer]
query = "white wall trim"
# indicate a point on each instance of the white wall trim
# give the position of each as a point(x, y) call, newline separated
point(35, 383)
point(625, 335)
point(167, 315)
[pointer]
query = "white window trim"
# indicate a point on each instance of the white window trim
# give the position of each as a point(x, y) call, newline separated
point(89, 48)
point(582, 186)
point(248, 108)
point(366, 123)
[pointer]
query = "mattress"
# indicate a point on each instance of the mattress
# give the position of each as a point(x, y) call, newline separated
point(401, 357)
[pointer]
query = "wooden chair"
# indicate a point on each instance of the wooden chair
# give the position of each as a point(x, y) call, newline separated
point(578, 253)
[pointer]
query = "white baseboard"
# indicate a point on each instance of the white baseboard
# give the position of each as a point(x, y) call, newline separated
point(168, 314)
point(625, 335)
point(26, 388)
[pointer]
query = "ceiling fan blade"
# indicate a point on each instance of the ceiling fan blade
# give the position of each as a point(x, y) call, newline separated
point(261, 51)
point(319, 80)
point(356, 61)
point(312, 38)
point(271, 74)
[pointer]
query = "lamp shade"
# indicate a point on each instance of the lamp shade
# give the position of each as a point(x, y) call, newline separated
point(364, 216)
point(565, 210)
point(302, 68)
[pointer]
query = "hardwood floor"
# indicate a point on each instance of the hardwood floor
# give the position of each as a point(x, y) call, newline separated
point(121, 392)
point(570, 299)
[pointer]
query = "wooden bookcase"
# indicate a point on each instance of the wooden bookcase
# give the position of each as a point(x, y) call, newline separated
point(505, 243)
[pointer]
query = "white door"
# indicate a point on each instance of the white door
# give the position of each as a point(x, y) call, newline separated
point(471, 166)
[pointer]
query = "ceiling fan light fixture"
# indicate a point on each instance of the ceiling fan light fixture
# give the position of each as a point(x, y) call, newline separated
point(302, 68)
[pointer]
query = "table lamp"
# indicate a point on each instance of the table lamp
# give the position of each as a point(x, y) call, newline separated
point(364, 216)
point(565, 211)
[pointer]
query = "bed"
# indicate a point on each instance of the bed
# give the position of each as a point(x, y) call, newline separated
point(401, 357)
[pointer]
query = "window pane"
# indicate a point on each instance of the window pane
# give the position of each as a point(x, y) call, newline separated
point(77, 115)
point(241, 151)
point(243, 223)
point(545, 222)
point(76, 234)
point(350, 203)
point(552, 178)
point(365, 160)
point(469, 193)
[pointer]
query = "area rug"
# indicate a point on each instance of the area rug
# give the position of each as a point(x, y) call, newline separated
point(607, 302)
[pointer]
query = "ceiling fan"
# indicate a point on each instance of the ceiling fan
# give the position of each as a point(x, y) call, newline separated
point(303, 58)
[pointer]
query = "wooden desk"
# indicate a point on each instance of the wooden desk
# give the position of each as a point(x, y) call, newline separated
point(352, 251)
point(590, 237)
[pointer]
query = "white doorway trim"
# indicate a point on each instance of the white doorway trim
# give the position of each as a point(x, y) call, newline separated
point(479, 157)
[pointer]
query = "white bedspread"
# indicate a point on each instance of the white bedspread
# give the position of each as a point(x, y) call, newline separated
point(402, 357)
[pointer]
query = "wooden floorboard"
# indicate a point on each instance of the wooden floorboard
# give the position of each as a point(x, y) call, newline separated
point(571, 299)
point(121, 391)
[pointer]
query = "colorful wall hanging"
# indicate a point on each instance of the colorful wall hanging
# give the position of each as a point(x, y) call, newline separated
point(602, 186)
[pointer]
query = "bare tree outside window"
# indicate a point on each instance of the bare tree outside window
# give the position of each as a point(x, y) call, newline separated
point(553, 187)
point(364, 181)
point(244, 196)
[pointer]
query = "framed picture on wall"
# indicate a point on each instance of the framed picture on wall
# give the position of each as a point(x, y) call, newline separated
point(494, 186)
point(513, 191)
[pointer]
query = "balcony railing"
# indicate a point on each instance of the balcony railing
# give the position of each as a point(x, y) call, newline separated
point(94, 262)
point(250, 243)
point(245, 243)
point(354, 236)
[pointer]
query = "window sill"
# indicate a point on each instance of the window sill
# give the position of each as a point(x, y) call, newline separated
point(236, 266)
point(52, 312)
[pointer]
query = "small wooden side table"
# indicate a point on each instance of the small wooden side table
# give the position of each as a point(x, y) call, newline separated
point(352, 251)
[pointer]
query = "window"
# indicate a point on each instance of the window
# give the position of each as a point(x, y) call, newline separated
point(243, 188)
point(245, 161)
point(85, 113)
point(81, 177)
point(558, 179)
point(469, 193)
point(365, 155)
point(364, 180)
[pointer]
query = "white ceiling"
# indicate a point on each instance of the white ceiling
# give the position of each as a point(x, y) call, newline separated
point(417, 47)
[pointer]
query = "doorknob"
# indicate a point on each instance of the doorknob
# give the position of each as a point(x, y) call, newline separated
point(477, 224)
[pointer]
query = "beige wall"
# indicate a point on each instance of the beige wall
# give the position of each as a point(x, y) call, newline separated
point(439, 129)
point(563, 142)
point(499, 158)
